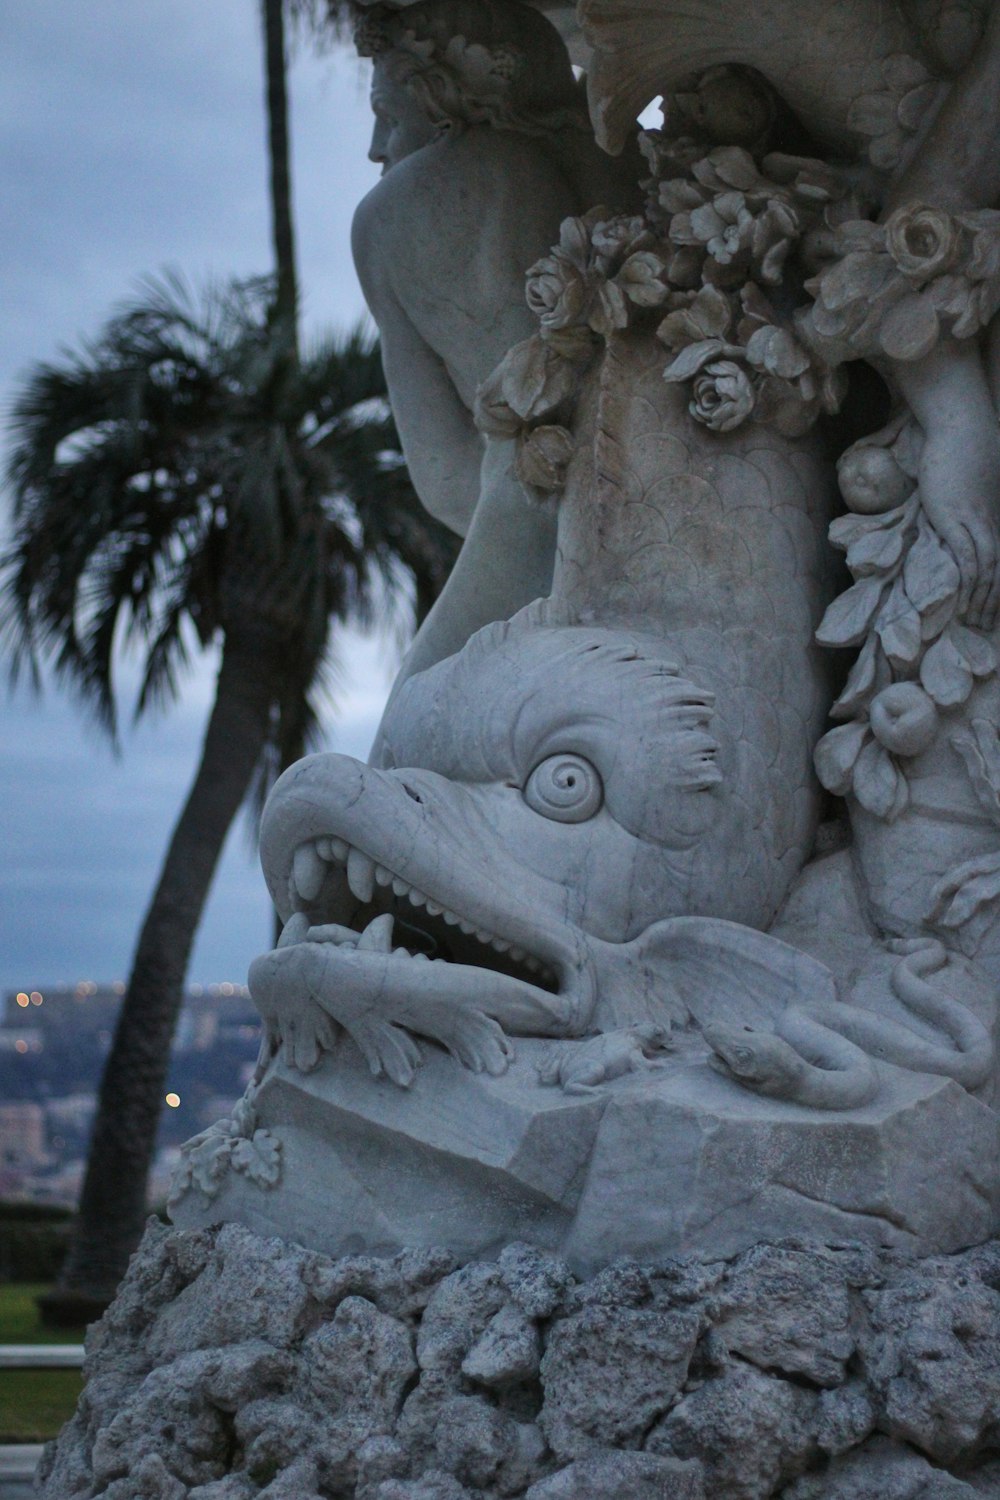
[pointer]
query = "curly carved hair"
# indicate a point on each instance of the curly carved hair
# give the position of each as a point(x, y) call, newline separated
point(473, 62)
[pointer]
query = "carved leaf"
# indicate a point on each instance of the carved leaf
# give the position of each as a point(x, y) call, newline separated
point(861, 685)
point(910, 328)
point(879, 786)
point(258, 1158)
point(980, 750)
point(693, 358)
point(845, 530)
point(966, 889)
point(930, 574)
point(898, 627)
point(945, 674)
point(978, 652)
point(847, 620)
point(836, 754)
point(876, 550)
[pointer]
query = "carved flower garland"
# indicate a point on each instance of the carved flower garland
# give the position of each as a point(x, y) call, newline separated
point(896, 288)
point(692, 270)
point(917, 660)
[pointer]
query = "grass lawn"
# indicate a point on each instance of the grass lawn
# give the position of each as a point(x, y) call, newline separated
point(34, 1404)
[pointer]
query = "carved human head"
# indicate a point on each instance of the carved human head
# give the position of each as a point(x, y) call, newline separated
point(443, 65)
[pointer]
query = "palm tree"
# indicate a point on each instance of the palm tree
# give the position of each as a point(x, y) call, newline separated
point(191, 478)
point(183, 482)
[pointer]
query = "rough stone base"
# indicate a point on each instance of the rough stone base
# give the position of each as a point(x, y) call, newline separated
point(232, 1366)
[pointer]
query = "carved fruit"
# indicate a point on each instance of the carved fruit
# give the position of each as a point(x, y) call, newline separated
point(903, 718)
point(871, 481)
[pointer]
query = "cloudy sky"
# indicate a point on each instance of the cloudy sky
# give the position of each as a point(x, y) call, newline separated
point(132, 140)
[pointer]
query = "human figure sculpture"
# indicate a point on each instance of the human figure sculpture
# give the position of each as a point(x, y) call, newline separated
point(485, 145)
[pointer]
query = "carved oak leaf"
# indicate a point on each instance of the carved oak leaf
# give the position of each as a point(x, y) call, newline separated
point(258, 1158)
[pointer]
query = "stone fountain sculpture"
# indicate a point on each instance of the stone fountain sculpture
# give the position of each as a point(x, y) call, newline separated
point(592, 886)
point(664, 920)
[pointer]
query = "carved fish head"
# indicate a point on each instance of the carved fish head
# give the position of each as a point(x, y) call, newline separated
point(549, 789)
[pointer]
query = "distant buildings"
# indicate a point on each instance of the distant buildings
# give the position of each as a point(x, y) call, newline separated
point(53, 1042)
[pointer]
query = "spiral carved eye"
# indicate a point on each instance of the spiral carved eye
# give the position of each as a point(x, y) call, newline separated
point(564, 787)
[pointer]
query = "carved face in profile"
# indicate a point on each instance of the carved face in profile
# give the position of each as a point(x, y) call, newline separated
point(401, 123)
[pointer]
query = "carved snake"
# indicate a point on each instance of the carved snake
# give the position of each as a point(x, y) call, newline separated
point(824, 1059)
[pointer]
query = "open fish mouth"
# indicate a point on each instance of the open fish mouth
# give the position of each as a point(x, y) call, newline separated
point(340, 894)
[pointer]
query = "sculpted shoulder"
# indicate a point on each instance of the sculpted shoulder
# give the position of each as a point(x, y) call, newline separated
point(460, 196)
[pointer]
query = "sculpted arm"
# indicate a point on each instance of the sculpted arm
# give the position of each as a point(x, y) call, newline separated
point(957, 167)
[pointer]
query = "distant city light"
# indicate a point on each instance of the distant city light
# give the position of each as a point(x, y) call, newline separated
point(119, 987)
point(196, 989)
point(21, 1046)
point(174, 1100)
point(23, 1000)
point(227, 989)
point(35, 998)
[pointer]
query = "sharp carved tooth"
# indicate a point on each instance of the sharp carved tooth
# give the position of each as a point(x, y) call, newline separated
point(417, 898)
point(518, 955)
point(295, 930)
point(483, 935)
point(308, 871)
point(468, 927)
point(433, 908)
point(377, 936)
point(500, 944)
point(449, 916)
point(382, 875)
point(424, 957)
point(400, 886)
point(339, 849)
point(361, 874)
point(324, 849)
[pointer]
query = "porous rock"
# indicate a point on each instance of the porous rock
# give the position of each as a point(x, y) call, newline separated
point(607, 1476)
point(610, 1372)
point(792, 1372)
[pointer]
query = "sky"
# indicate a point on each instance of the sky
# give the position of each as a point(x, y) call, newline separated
point(132, 139)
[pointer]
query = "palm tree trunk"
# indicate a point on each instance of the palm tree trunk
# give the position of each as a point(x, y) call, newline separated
point(276, 64)
point(113, 1203)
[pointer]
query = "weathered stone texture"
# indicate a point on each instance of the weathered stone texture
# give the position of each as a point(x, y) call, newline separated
point(236, 1368)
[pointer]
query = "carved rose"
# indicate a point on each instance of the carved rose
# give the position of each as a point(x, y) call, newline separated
point(615, 239)
point(722, 396)
point(923, 241)
point(557, 291)
point(542, 456)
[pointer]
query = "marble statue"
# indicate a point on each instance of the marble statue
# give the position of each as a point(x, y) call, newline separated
point(612, 890)
point(626, 1120)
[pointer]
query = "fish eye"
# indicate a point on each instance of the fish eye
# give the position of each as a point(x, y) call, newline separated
point(564, 787)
